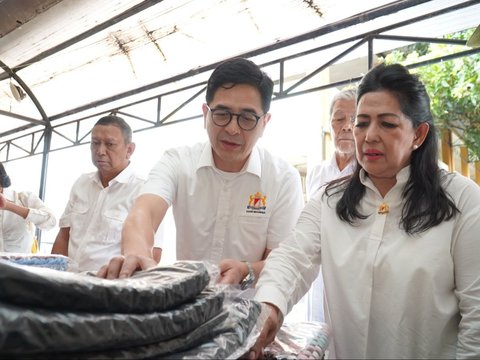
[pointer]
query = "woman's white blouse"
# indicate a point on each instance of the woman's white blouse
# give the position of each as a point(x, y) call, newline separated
point(388, 294)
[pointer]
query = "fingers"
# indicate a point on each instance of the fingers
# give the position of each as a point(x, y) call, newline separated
point(126, 268)
point(118, 267)
point(121, 267)
point(114, 267)
point(270, 329)
point(227, 278)
point(111, 270)
point(231, 271)
point(102, 273)
point(256, 352)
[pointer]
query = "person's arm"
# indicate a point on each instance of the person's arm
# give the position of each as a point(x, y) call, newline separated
point(141, 224)
point(289, 272)
point(466, 247)
point(60, 246)
point(12, 207)
point(137, 238)
point(268, 333)
point(232, 272)
point(39, 214)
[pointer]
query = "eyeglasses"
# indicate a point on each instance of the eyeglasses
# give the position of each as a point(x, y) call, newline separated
point(245, 120)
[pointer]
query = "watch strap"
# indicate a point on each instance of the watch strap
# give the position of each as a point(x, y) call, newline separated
point(248, 280)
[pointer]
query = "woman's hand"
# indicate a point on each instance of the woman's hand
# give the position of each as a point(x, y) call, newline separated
point(270, 329)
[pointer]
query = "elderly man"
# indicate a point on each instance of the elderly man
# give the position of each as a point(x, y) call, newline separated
point(91, 225)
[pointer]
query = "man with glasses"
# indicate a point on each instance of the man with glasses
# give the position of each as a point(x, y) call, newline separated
point(232, 201)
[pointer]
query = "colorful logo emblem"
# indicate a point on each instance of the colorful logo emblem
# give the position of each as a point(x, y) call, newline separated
point(257, 203)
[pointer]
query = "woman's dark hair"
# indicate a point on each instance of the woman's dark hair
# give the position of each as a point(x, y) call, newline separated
point(240, 71)
point(4, 178)
point(118, 122)
point(426, 202)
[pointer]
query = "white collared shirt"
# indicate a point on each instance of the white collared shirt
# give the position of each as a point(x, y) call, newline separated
point(16, 233)
point(320, 175)
point(388, 294)
point(222, 215)
point(324, 172)
point(95, 216)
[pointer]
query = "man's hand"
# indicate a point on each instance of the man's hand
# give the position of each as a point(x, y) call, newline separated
point(124, 266)
point(232, 271)
point(270, 329)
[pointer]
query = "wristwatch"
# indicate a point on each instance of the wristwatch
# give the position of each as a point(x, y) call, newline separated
point(249, 279)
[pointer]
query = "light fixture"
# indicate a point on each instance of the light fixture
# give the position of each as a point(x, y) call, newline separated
point(17, 92)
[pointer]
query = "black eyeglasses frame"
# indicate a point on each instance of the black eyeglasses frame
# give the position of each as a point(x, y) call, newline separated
point(238, 115)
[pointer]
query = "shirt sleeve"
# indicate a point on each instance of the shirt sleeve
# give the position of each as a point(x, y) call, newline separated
point(287, 209)
point(163, 178)
point(466, 257)
point(39, 214)
point(291, 268)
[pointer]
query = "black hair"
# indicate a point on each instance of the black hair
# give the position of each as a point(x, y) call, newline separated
point(118, 122)
point(241, 71)
point(4, 178)
point(426, 202)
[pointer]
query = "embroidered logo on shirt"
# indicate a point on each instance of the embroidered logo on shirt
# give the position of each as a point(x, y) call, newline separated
point(257, 203)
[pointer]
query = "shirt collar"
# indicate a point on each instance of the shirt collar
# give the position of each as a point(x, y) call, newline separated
point(402, 178)
point(253, 164)
point(123, 177)
point(333, 163)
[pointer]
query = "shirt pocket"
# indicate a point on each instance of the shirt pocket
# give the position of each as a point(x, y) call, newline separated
point(114, 221)
point(252, 237)
point(78, 218)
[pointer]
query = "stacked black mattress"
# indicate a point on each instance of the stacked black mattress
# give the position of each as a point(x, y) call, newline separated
point(167, 311)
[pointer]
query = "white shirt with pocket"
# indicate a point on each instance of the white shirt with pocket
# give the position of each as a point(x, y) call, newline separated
point(222, 215)
point(95, 216)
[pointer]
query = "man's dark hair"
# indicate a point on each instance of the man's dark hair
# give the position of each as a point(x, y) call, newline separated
point(118, 122)
point(241, 71)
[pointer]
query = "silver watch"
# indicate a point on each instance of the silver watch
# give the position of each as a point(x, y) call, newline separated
point(248, 280)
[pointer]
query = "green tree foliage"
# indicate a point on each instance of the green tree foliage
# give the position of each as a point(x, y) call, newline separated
point(453, 86)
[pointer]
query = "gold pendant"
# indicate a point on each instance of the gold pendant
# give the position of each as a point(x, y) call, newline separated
point(383, 208)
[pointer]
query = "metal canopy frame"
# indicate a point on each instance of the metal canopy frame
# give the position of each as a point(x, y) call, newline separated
point(197, 87)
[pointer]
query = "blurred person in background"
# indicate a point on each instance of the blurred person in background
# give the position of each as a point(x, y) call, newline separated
point(20, 213)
